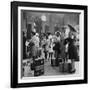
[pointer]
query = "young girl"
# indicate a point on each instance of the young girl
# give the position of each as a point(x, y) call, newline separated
point(44, 46)
point(51, 49)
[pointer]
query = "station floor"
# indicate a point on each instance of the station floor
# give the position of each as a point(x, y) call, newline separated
point(50, 71)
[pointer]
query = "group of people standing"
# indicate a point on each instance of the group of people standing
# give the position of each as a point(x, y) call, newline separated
point(51, 46)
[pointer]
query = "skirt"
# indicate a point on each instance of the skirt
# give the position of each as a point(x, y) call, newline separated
point(72, 51)
point(34, 51)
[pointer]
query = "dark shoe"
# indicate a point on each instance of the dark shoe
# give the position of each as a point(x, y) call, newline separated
point(72, 72)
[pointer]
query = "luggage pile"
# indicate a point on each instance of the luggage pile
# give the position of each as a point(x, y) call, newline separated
point(33, 66)
point(38, 64)
point(65, 66)
point(39, 67)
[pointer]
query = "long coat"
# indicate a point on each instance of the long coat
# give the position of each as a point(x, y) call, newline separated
point(62, 54)
point(72, 49)
point(34, 47)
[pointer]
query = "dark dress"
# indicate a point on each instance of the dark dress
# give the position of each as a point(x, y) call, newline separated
point(57, 47)
point(57, 50)
point(72, 50)
point(62, 54)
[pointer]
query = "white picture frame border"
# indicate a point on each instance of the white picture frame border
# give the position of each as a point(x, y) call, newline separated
point(80, 76)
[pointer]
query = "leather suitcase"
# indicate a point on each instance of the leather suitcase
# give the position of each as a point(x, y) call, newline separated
point(39, 67)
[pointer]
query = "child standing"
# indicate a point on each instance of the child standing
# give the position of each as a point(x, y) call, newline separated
point(44, 46)
point(51, 49)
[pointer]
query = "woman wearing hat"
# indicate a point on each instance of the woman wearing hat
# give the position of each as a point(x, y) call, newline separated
point(35, 41)
point(72, 50)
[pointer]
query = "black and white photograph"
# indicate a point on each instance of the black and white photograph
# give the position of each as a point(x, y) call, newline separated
point(50, 44)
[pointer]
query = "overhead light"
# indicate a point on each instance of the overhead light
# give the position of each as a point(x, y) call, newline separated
point(43, 18)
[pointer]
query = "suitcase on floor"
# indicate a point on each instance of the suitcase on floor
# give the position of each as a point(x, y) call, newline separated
point(53, 62)
point(39, 72)
point(57, 62)
point(39, 67)
point(65, 66)
point(69, 67)
point(60, 60)
point(61, 67)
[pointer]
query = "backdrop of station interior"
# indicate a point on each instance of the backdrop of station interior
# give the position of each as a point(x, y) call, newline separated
point(45, 22)
point(48, 22)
